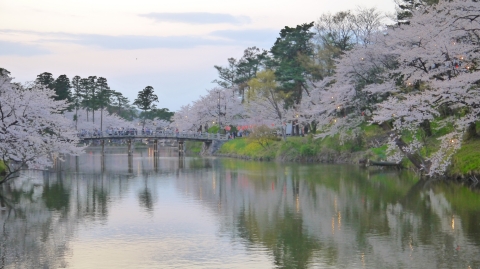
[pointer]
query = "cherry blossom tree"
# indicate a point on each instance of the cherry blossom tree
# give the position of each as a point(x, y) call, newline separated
point(219, 104)
point(33, 131)
point(438, 56)
point(406, 77)
point(266, 102)
point(109, 120)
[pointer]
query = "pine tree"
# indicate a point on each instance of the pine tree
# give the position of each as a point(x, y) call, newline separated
point(145, 100)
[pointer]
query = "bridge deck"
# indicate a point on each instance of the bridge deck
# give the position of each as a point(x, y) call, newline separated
point(193, 137)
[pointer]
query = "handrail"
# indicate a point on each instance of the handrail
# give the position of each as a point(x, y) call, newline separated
point(193, 136)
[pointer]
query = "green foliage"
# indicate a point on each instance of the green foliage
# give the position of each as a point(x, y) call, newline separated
point(467, 159)
point(248, 148)
point(288, 61)
point(162, 114)
point(263, 135)
point(239, 72)
point(463, 200)
point(406, 7)
point(62, 88)
point(2, 168)
point(214, 129)
point(46, 79)
point(119, 104)
point(193, 146)
point(103, 93)
point(371, 130)
point(85, 94)
point(307, 150)
point(91, 89)
point(56, 197)
point(61, 85)
point(145, 100)
point(380, 153)
point(227, 75)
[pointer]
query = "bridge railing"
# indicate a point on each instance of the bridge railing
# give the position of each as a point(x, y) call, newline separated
point(147, 135)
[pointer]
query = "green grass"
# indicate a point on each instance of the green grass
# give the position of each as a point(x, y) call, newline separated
point(294, 149)
point(379, 153)
point(467, 159)
point(2, 167)
point(194, 147)
point(245, 147)
point(371, 130)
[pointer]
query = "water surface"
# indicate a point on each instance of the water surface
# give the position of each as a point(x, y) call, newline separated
point(188, 212)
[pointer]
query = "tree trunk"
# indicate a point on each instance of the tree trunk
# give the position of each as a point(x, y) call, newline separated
point(415, 158)
point(313, 126)
point(76, 118)
point(144, 119)
point(471, 131)
point(425, 125)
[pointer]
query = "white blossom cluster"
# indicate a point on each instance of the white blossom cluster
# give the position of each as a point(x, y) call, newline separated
point(218, 104)
point(33, 130)
point(404, 76)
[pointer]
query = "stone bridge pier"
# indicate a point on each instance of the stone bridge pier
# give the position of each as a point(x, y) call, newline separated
point(210, 147)
point(181, 146)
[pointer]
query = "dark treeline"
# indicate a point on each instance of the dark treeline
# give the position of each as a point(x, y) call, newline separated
point(94, 94)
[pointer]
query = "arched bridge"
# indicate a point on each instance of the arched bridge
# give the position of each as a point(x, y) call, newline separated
point(206, 138)
point(179, 136)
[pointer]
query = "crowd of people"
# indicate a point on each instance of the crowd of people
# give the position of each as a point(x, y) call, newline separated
point(110, 131)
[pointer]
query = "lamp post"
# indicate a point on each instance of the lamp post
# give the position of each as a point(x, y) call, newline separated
point(218, 106)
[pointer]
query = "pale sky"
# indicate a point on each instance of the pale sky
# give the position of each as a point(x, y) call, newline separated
point(169, 45)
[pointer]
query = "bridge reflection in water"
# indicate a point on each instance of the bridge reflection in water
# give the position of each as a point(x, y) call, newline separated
point(228, 213)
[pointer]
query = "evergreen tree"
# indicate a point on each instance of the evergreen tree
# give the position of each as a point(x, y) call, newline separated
point(248, 67)
point(77, 96)
point(85, 94)
point(161, 114)
point(145, 100)
point(103, 97)
point(406, 7)
point(62, 88)
point(45, 79)
point(287, 51)
point(92, 93)
point(118, 102)
point(238, 73)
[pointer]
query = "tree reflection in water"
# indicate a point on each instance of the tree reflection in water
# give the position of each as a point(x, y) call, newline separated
point(340, 216)
point(301, 216)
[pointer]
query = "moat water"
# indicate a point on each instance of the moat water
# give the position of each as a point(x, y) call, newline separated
point(192, 212)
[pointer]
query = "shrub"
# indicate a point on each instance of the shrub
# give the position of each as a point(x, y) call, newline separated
point(263, 136)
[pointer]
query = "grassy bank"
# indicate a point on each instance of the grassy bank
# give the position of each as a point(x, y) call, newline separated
point(466, 162)
point(2, 168)
point(303, 149)
point(193, 147)
point(308, 149)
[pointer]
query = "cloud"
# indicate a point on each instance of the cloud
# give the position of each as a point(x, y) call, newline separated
point(197, 18)
point(249, 35)
point(129, 42)
point(14, 48)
